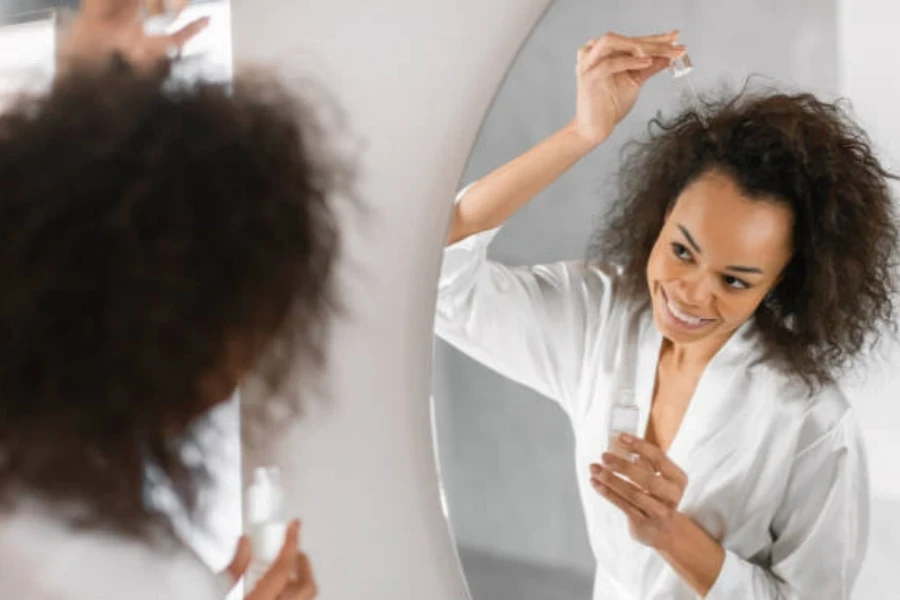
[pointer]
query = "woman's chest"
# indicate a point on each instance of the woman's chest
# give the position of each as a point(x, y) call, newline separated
point(734, 452)
point(672, 396)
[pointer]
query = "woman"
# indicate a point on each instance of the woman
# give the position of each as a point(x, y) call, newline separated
point(158, 243)
point(748, 261)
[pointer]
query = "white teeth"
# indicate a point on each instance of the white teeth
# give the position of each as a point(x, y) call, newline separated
point(683, 316)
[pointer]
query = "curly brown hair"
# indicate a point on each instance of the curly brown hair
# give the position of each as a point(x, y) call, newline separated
point(158, 239)
point(835, 296)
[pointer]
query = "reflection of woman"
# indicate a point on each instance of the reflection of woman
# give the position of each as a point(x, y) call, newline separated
point(753, 261)
point(158, 241)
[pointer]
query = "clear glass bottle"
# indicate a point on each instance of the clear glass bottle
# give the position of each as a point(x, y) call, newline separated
point(681, 66)
point(623, 419)
point(266, 524)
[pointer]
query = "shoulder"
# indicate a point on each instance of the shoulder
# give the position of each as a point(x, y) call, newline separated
point(42, 557)
point(600, 290)
point(828, 416)
point(597, 281)
point(816, 415)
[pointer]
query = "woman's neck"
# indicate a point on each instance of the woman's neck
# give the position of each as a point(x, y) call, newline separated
point(691, 356)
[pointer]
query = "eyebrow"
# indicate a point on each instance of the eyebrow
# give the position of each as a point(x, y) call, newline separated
point(696, 247)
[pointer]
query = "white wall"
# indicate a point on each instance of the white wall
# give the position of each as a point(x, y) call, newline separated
point(869, 62)
point(416, 78)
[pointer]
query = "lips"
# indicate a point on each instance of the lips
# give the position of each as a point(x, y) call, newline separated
point(681, 317)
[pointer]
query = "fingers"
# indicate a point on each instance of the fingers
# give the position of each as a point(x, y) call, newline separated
point(656, 457)
point(632, 512)
point(115, 9)
point(172, 8)
point(660, 37)
point(188, 32)
point(611, 494)
point(304, 569)
point(281, 572)
point(622, 63)
point(154, 7)
point(243, 554)
point(634, 471)
point(656, 66)
point(643, 476)
point(613, 44)
point(605, 481)
point(304, 585)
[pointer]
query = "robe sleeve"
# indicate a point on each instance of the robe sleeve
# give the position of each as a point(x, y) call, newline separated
point(532, 324)
point(820, 530)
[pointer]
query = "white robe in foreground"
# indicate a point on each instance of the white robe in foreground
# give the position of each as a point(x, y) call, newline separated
point(778, 478)
point(43, 558)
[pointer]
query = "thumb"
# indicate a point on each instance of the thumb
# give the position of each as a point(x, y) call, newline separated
point(181, 37)
point(243, 554)
point(659, 64)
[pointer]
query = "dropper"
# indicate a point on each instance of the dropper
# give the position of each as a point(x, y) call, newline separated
point(681, 68)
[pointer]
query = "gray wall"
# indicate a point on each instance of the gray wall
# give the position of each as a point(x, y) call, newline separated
point(505, 452)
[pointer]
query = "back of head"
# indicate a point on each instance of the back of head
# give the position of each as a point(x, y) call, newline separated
point(157, 241)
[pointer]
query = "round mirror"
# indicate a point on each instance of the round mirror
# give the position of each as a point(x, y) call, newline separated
point(515, 443)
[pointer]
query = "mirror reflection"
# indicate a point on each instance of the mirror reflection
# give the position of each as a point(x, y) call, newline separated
point(649, 306)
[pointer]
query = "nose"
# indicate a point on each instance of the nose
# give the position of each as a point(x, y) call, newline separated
point(695, 290)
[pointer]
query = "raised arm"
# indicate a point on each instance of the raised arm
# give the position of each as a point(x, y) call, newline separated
point(610, 72)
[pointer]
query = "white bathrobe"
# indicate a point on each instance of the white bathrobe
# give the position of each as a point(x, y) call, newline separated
point(43, 558)
point(778, 478)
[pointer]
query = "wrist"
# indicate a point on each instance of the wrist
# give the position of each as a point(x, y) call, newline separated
point(692, 553)
point(588, 139)
point(669, 544)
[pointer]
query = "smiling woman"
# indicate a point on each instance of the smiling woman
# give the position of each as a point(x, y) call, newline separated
point(709, 292)
point(724, 292)
point(778, 210)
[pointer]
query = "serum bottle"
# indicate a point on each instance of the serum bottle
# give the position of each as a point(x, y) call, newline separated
point(266, 524)
point(623, 419)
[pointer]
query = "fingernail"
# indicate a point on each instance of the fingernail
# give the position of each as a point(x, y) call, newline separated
point(626, 438)
point(595, 468)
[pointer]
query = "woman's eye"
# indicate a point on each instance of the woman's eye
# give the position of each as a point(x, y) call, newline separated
point(735, 283)
point(681, 251)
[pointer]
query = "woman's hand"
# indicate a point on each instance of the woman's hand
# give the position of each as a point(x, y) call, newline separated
point(651, 494)
point(611, 71)
point(103, 28)
point(290, 576)
point(161, 7)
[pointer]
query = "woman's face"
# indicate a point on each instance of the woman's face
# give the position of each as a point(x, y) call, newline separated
point(719, 253)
